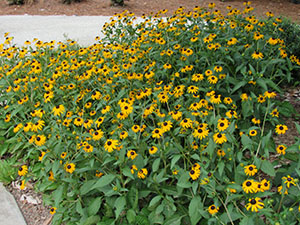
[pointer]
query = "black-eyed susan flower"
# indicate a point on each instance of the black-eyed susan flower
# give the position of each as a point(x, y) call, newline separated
point(223, 124)
point(194, 173)
point(41, 155)
point(53, 210)
point(200, 133)
point(58, 110)
point(186, 123)
point(213, 209)
point(281, 129)
point(99, 121)
point(123, 135)
point(221, 153)
point(38, 125)
point(78, 121)
point(166, 126)
point(250, 170)
point(40, 140)
point(70, 167)
point(105, 109)
point(22, 185)
point(157, 133)
point(88, 148)
point(111, 145)
point(281, 149)
point(133, 168)
point(249, 186)
point(215, 99)
point(212, 79)
point(135, 128)
point(97, 135)
point(87, 123)
point(23, 170)
point(17, 127)
point(270, 94)
point(254, 204)
point(288, 180)
point(257, 55)
point(265, 185)
point(153, 150)
point(219, 138)
point(252, 133)
point(280, 189)
point(142, 173)
point(131, 154)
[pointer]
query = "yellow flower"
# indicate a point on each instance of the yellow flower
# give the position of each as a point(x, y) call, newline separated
point(281, 129)
point(23, 170)
point(111, 145)
point(58, 110)
point(40, 140)
point(281, 149)
point(133, 168)
point(252, 133)
point(53, 210)
point(257, 55)
point(194, 173)
point(41, 155)
point(212, 209)
point(70, 167)
point(142, 173)
point(255, 204)
point(250, 170)
point(288, 180)
point(219, 138)
point(157, 133)
point(249, 186)
point(132, 154)
point(153, 150)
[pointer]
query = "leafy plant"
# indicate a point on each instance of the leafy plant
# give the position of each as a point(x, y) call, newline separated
point(7, 171)
point(117, 2)
point(70, 1)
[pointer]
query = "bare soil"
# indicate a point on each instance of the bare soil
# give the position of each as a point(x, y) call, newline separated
point(35, 213)
point(104, 7)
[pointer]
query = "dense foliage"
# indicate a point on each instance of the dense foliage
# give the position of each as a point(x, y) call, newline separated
point(167, 120)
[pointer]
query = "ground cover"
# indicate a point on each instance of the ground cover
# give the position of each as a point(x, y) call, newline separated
point(169, 121)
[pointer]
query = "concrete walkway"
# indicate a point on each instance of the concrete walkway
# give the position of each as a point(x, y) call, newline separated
point(83, 29)
point(10, 213)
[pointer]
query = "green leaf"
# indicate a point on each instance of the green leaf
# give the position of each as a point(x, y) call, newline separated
point(221, 166)
point(79, 208)
point(194, 214)
point(119, 205)
point(55, 167)
point(261, 82)
point(183, 181)
point(268, 168)
point(87, 186)
point(174, 160)
point(238, 86)
point(297, 127)
point(174, 220)
point(130, 215)
point(133, 197)
point(57, 194)
point(154, 202)
point(155, 164)
point(92, 220)
point(94, 206)
point(247, 221)
point(246, 142)
point(104, 180)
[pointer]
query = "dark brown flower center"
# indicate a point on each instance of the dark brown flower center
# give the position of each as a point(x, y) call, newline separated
point(248, 183)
